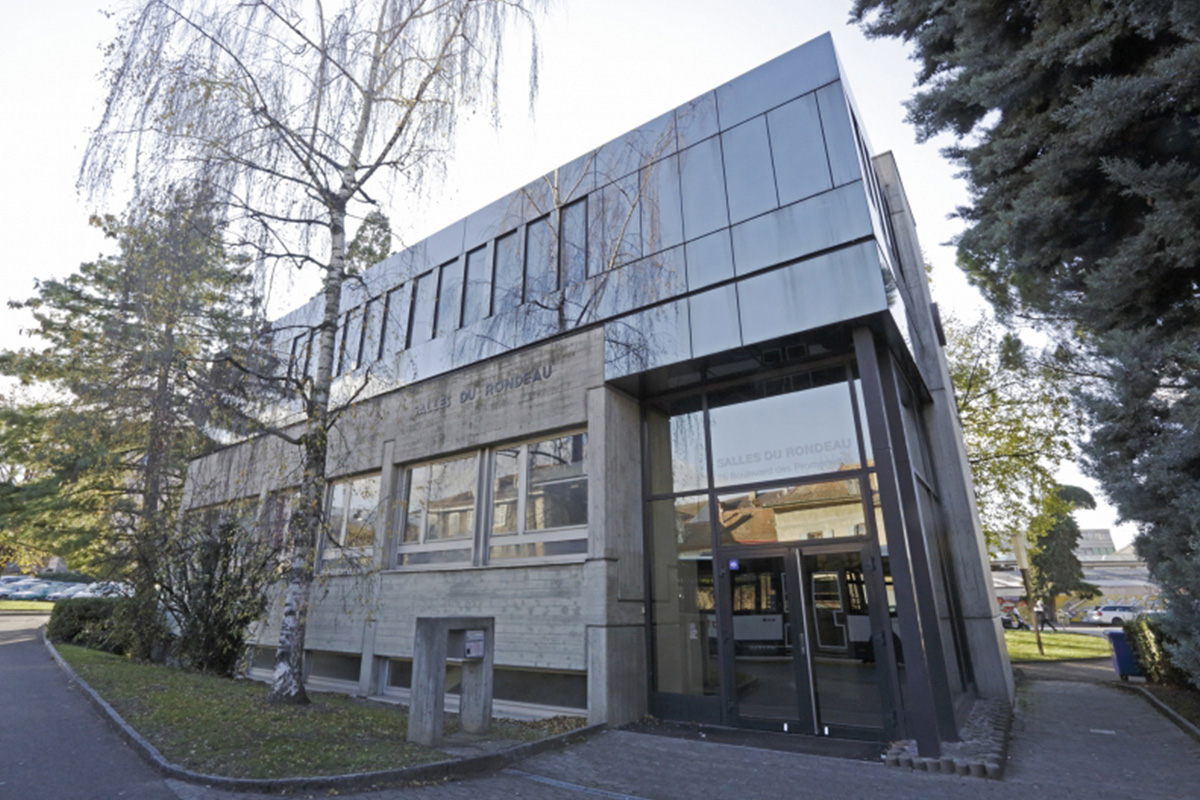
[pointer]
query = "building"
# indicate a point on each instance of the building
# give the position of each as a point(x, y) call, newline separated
point(1094, 543)
point(678, 417)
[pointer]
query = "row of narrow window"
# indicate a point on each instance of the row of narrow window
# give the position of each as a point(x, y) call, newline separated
point(487, 281)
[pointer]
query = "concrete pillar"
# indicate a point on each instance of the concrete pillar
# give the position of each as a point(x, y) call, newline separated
point(614, 578)
point(968, 550)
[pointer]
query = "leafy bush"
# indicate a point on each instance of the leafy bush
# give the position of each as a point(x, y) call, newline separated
point(89, 622)
point(1147, 640)
point(67, 576)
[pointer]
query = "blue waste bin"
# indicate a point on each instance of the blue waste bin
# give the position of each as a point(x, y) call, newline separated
point(1123, 661)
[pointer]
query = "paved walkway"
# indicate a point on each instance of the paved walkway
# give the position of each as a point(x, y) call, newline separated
point(1071, 739)
point(53, 744)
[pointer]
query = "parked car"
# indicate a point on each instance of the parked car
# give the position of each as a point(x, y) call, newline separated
point(70, 590)
point(107, 589)
point(1113, 615)
point(38, 590)
point(9, 588)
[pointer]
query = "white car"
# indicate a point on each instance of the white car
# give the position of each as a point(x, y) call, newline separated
point(1113, 615)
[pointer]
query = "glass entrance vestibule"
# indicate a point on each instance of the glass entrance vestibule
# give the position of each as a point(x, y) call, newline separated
point(773, 599)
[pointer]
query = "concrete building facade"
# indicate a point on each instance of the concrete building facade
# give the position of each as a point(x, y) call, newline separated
point(677, 416)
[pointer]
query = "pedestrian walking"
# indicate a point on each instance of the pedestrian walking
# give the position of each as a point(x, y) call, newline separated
point(1043, 619)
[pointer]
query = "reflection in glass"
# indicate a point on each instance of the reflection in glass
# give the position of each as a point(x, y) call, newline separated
point(846, 672)
point(683, 602)
point(451, 506)
point(450, 297)
point(839, 136)
point(676, 451)
point(574, 242)
point(785, 435)
point(702, 179)
point(363, 507)
point(348, 346)
point(441, 501)
point(508, 289)
point(350, 517)
point(505, 489)
point(424, 308)
point(615, 236)
point(804, 513)
point(749, 179)
point(764, 639)
point(540, 273)
point(369, 351)
point(557, 483)
point(477, 292)
point(798, 150)
point(395, 320)
point(662, 210)
point(709, 260)
point(540, 549)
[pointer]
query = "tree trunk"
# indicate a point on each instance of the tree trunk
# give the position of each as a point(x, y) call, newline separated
point(308, 522)
point(148, 544)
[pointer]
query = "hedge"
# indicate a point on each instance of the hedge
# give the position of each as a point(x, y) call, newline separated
point(1146, 638)
point(91, 622)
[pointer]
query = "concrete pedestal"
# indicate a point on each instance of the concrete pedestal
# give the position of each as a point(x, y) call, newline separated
point(468, 641)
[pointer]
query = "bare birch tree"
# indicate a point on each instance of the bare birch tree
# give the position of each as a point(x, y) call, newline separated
point(292, 108)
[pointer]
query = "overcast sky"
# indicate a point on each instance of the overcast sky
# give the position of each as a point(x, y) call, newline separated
point(607, 66)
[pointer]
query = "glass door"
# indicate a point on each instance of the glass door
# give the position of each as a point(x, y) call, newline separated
point(766, 644)
point(847, 665)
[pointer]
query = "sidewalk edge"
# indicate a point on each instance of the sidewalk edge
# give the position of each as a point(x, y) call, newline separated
point(1170, 713)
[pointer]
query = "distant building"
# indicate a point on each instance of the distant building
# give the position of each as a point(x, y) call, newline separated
point(678, 417)
point(1094, 543)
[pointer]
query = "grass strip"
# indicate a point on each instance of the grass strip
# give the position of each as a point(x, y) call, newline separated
point(224, 727)
point(1022, 646)
point(26, 605)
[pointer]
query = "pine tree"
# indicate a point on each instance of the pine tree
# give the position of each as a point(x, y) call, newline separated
point(124, 345)
point(1078, 130)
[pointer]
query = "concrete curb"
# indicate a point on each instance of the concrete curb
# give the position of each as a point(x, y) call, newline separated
point(455, 769)
point(1170, 713)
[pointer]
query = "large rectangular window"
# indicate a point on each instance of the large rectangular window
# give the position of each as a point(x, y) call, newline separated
point(539, 499)
point(437, 518)
point(350, 517)
point(522, 501)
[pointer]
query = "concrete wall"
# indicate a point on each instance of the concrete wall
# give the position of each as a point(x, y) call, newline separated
point(583, 615)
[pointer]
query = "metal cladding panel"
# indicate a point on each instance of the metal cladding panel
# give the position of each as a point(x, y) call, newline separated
point(841, 285)
point(792, 74)
point(809, 226)
point(752, 176)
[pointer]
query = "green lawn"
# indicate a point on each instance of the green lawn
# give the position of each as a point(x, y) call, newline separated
point(26, 605)
point(224, 727)
point(1022, 646)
